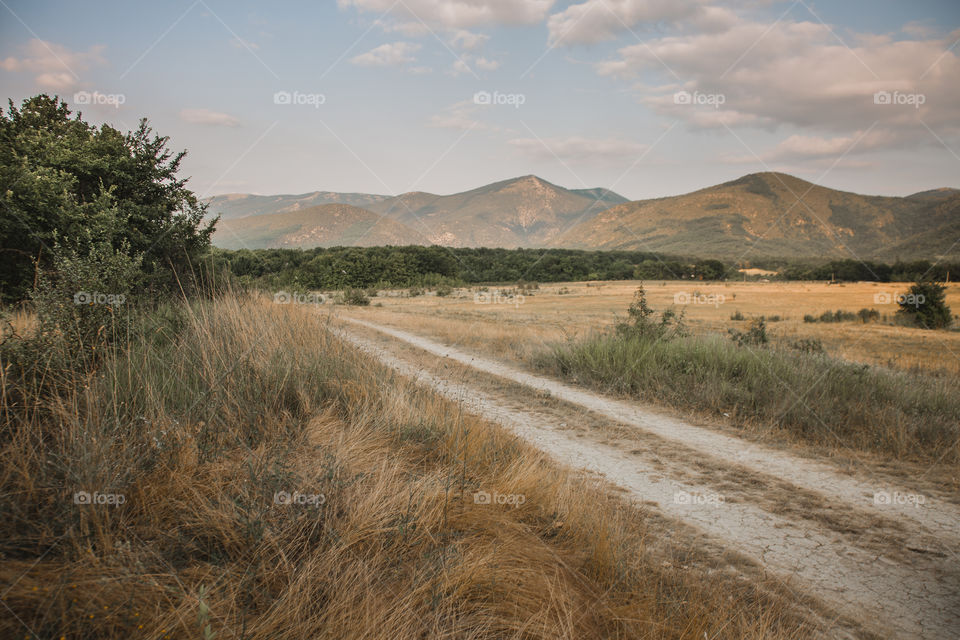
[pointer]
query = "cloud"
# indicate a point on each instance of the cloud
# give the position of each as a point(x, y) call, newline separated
point(387, 55)
point(799, 75)
point(579, 149)
point(208, 117)
point(57, 67)
point(460, 116)
point(468, 40)
point(599, 20)
point(487, 65)
point(457, 14)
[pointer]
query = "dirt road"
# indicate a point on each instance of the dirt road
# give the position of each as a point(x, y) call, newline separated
point(889, 564)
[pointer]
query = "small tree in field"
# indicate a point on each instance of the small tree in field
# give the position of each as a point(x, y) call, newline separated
point(925, 305)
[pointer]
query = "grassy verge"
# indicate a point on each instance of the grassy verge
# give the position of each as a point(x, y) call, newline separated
point(812, 397)
point(249, 476)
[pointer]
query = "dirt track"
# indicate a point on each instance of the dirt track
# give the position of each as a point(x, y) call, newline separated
point(890, 566)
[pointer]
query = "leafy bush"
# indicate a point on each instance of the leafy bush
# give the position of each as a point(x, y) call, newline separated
point(755, 335)
point(642, 320)
point(356, 297)
point(61, 177)
point(808, 345)
point(925, 306)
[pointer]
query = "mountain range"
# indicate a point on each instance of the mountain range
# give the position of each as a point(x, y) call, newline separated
point(759, 215)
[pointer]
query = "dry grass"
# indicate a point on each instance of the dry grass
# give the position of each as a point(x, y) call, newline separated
point(205, 415)
point(547, 316)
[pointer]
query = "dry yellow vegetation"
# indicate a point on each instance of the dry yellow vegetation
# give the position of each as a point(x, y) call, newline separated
point(513, 327)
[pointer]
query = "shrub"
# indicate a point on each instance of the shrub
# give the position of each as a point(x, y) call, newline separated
point(641, 320)
point(925, 306)
point(755, 335)
point(736, 315)
point(808, 345)
point(355, 297)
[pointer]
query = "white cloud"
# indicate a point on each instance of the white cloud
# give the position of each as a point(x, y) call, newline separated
point(579, 149)
point(459, 116)
point(487, 65)
point(458, 67)
point(468, 40)
point(57, 67)
point(797, 74)
point(458, 14)
point(598, 20)
point(208, 117)
point(387, 55)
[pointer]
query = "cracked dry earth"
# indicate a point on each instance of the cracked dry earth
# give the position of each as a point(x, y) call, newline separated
point(891, 569)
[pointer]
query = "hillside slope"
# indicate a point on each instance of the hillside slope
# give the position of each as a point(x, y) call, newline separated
point(240, 205)
point(521, 212)
point(773, 214)
point(325, 225)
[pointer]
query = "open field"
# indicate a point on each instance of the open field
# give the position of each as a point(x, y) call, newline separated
point(517, 325)
point(243, 472)
point(886, 564)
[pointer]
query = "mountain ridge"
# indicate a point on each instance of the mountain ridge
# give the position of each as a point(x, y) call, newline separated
point(766, 214)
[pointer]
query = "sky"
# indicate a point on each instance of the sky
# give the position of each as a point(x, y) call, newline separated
point(648, 98)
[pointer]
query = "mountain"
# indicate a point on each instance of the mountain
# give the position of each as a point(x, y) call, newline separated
point(240, 205)
point(777, 215)
point(521, 212)
point(758, 215)
point(323, 225)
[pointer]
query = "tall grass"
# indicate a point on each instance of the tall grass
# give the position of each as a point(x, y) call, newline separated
point(206, 414)
point(818, 399)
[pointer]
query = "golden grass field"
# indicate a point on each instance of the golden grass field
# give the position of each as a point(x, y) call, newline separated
point(511, 327)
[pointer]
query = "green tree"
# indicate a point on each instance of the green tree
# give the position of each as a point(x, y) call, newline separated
point(925, 305)
point(61, 177)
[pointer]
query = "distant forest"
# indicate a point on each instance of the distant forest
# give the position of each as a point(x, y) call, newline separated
point(345, 267)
